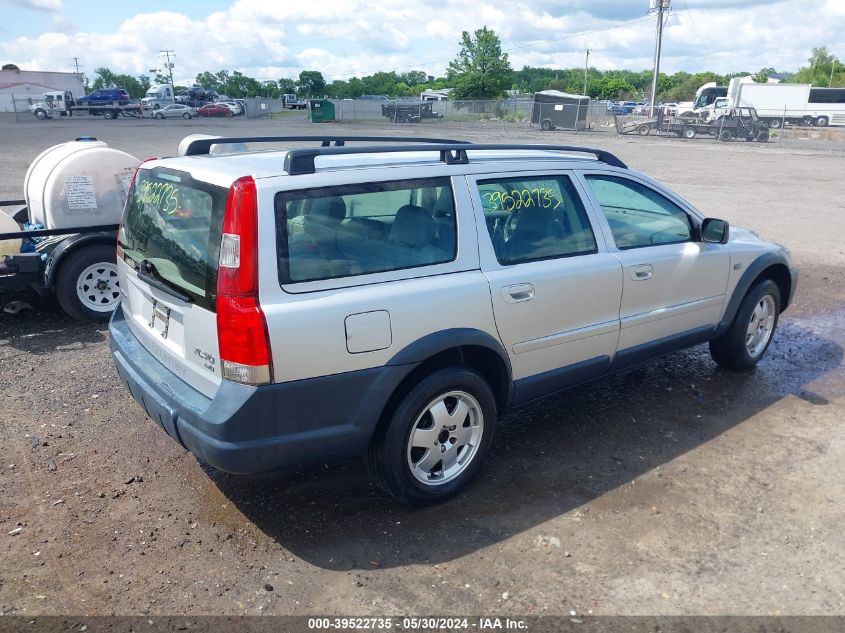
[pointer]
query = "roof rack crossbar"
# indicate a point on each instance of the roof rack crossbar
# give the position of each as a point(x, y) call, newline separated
point(202, 146)
point(301, 160)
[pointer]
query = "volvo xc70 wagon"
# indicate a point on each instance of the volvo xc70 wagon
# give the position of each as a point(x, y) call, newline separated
point(391, 300)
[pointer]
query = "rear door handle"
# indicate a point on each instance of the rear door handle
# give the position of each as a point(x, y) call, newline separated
point(641, 272)
point(518, 293)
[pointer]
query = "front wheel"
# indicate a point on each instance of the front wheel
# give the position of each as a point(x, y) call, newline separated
point(751, 332)
point(159, 115)
point(87, 286)
point(725, 135)
point(187, 115)
point(436, 438)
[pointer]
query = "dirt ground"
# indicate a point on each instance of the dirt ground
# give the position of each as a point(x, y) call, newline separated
point(669, 488)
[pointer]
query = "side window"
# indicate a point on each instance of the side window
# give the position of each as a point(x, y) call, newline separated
point(637, 215)
point(535, 217)
point(332, 232)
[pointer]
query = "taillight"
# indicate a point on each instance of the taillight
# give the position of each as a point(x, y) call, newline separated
point(241, 326)
point(126, 204)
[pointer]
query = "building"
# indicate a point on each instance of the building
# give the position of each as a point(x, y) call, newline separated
point(441, 94)
point(17, 87)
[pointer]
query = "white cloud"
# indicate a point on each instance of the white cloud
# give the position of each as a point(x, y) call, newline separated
point(38, 5)
point(341, 38)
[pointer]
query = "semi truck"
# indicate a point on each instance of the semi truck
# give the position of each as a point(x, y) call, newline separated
point(158, 97)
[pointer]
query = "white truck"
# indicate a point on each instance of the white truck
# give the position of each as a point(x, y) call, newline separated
point(780, 103)
point(53, 103)
point(292, 102)
point(158, 97)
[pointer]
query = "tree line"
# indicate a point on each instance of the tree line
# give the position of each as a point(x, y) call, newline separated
point(482, 70)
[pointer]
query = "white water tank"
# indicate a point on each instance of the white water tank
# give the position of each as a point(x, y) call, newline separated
point(78, 183)
point(8, 225)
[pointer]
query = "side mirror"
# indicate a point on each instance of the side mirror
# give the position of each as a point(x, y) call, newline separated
point(715, 231)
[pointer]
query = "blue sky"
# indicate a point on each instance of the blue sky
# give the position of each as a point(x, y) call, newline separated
point(342, 38)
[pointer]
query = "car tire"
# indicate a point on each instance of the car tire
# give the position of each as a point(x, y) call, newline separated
point(399, 457)
point(40, 114)
point(689, 133)
point(186, 115)
point(546, 125)
point(763, 136)
point(726, 135)
point(159, 115)
point(738, 349)
point(87, 287)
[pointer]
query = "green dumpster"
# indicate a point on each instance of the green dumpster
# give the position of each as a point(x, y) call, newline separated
point(322, 110)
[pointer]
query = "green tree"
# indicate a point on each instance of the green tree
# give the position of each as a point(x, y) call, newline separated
point(10, 67)
point(287, 86)
point(824, 70)
point(311, 83)
point(481, 70)
point(208, 80)
point(763, 75)
point(108, 79)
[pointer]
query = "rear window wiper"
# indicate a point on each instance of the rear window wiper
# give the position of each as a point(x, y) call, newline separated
point(148, 272)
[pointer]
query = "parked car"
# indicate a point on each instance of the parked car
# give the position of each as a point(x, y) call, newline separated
point(324, 303)
point(175, 111)
point(234, 106)
point(214, 109)
point(106, 95)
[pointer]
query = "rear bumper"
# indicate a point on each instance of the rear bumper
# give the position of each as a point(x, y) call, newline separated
point(245, 429)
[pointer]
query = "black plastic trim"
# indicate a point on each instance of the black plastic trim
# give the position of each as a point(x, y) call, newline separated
point(646, 351)
point(751, 273)
point(549, 382)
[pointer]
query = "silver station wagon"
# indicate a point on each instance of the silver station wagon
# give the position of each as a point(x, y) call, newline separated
point(391, 299)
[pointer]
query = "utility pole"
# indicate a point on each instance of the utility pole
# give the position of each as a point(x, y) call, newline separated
point(662, 5)
point(168, 53)
point(586, 65)
point(76, 62)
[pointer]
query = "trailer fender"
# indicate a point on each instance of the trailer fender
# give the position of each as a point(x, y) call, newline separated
point(72, 244)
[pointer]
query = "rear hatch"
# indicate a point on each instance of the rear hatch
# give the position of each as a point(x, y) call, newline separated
point(168, 252)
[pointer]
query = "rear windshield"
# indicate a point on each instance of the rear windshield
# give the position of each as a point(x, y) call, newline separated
point(175, 223)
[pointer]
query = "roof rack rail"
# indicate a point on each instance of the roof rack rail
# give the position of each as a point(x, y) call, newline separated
point(202, 146)
point(301, 160)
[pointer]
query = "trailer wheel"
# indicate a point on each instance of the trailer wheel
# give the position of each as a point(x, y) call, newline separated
point(643, 130)
point(775, 124)
point(689, 132)
point(726, 135)
point(822, 121)
point(87, 286)
point(546, 125)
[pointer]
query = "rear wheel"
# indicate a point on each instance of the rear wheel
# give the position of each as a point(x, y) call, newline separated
point(822, 121)
point(726, 135)
point(689, 132)
point(750, 334)
point(763, 136)
point(643, 130)
point(776, 124)
point(187, 115)
point(546, 125)
point(436, 437)
point(808, 121)
point(87, 286)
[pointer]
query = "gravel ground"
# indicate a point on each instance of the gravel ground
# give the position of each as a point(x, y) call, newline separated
point(670, 488)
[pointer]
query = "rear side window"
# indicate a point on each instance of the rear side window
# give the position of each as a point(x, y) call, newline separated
point(332, 232)
point(533, 218)
point(637, 215)
point(176, 223)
